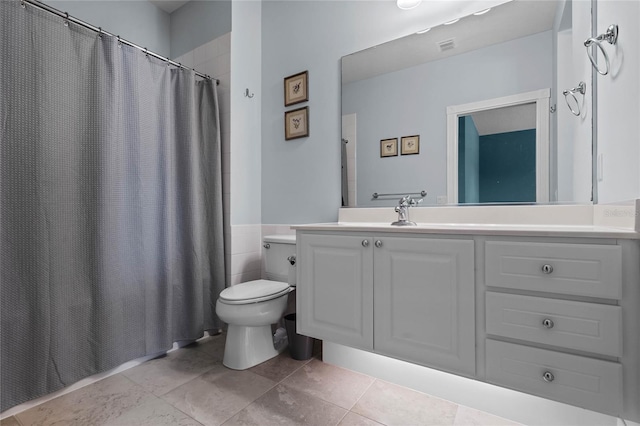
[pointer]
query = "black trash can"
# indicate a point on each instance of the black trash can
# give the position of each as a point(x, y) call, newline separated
point(300, 347)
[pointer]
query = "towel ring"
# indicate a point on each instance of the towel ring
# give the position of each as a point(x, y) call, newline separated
point(611, 36)
point(571, 93)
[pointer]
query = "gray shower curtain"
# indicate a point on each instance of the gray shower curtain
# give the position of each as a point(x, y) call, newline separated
point(111, 234)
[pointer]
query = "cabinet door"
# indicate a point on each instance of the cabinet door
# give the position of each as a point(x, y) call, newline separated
point(424, 301)
point(335, 289)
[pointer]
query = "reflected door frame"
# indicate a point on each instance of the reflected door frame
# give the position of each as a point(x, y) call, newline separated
point(542, 101)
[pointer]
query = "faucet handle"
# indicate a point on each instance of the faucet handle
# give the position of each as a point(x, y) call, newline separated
point(405, 201)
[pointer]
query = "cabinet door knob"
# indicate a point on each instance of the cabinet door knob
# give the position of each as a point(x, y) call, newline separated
point(378, 243)
point(365, 243)
point(547, 323)
point(547, 269)
point(548, 376)
point(266, 245)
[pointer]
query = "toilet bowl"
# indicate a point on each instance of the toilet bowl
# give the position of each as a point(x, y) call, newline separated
point(251, 308)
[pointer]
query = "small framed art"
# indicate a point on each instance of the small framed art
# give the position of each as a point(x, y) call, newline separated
point(389, 147)
point(296, 88)
point(410, 145)
point(296, 123)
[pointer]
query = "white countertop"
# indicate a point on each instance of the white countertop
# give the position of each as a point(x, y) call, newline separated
point(617, 220)
point(478, 229)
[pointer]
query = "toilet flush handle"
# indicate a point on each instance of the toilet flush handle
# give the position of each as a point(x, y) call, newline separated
point(292, 260)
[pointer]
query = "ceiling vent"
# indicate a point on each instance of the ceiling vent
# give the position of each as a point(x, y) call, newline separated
point(447, 44)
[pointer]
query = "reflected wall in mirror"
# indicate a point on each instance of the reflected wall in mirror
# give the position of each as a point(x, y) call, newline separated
point(411, 86)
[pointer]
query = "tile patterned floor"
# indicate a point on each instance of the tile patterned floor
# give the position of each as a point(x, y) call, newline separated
point(190, 386)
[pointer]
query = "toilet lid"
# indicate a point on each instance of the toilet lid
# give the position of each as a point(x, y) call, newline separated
point(254, 291)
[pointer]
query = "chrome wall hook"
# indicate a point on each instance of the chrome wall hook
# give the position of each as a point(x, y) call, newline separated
point(571, 94)
point(246, 93)
point(610, 36)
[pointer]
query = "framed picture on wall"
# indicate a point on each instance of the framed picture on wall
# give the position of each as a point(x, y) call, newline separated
point(410, 145)
point(296, 123)
point(296, 88)
point(389, 147)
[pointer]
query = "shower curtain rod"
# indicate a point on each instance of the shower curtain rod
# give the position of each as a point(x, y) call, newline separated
point(102, 32)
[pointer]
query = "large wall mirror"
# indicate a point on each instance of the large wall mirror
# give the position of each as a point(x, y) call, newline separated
point(473, 111)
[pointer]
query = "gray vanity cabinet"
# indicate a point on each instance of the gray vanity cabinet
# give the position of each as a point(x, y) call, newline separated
point(409, 298)
point(424, 301)
point(553, 316)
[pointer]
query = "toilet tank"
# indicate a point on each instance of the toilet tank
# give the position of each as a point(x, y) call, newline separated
point(277, 249)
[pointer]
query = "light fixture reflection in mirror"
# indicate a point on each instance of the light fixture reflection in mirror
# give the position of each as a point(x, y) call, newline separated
point(405, 86)
point(408, 4)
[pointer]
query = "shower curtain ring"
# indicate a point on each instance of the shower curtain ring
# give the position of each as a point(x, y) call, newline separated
point(100, 32)
point(23, 4)
point(119, 42)
point(168, 61)
point(146, 52)
point(66, 19)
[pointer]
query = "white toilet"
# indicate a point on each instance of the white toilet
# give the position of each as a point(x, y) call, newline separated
point(250, 308)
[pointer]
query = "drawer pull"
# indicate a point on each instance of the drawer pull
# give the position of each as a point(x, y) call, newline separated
point(378, 243)
point(547, 269)
point(365, 243)
point(547, 323)
point(548, 376)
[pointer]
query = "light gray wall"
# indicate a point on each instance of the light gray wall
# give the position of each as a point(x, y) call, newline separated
point(301, 178)
point(414, 101)
point(246, 113)
point(619, 104)
point(197, 23)
point(137, 21)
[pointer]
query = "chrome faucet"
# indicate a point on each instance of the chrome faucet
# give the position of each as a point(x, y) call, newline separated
point(403, 211)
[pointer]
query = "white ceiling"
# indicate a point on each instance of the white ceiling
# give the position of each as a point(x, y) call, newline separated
point(508, 21)
point(169, 6)
point(507, 119)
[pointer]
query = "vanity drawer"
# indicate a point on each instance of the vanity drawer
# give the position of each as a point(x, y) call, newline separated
point(589, 327)
point(576, 269)
point(581, 381)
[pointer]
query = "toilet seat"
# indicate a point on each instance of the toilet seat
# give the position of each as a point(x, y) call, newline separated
point(254, 292)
